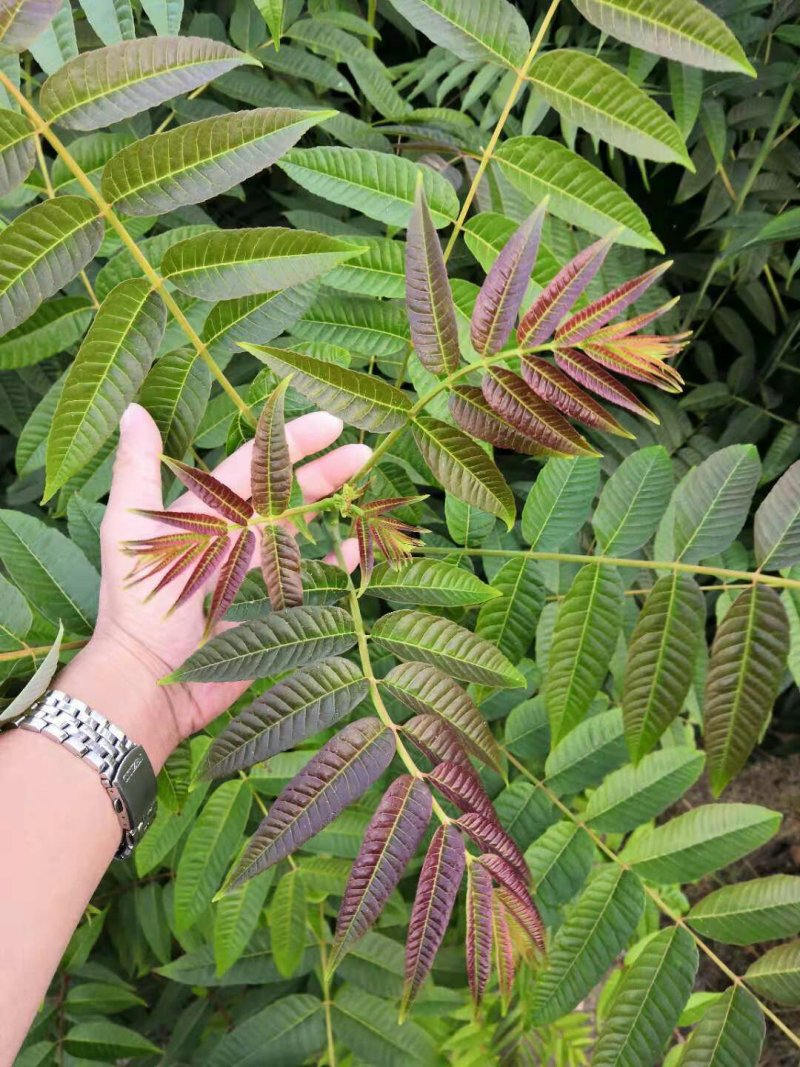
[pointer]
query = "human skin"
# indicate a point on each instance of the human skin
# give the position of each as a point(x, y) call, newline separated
point(58, 831)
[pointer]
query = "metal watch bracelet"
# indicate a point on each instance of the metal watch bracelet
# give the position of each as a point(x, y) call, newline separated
point(124, 767)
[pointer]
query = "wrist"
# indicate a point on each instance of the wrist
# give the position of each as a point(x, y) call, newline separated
point(121, 684)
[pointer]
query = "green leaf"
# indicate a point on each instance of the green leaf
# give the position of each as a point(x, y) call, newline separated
point(256, 318)
point(362, 400)
point(764, 909)
point(663, 648)
point(525, 811)
point(166, 831)
point(378, 271)
point(17, 150)
point(559, 862)
point(101, 998)
point(103, 1040)
point(236, 263)
point(286, 639)
point(54, 327)
point(490, 31)
point(748, 658)
point(322, 584)
point(777, 523)
point(713, 500)
point(596, 929)
point(37, 684)
point(431, 582)
point(776, 975)
point(587, 754)
point(415, 635)
point(373, 327)
point(209, 849)
point(633, 796)
point(287, 922)
point(463, 468)
point(201, 159)
point(287, 1032)
point(684, 30)
point(378, 184)
point(510, 620)
point(527, 733)
point(648, 1001)
point(236, 917)
point(111, 20)
point(42, 250)
point(369, 1027)
point(559, 502)
point(633, 501)
point(700, 841)
point(107, 85)
point(578, 192)
point(584, 638)
point(175, 392)
point(590, 93)
point(105, 377)
point(730, 1034)
point(56, 576)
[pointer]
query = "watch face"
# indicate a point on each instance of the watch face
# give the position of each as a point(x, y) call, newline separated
point(136, 784)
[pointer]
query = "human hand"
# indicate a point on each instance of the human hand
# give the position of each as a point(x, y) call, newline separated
point(136, 641)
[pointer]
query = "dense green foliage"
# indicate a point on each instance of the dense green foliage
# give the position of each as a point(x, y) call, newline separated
point(236, 213)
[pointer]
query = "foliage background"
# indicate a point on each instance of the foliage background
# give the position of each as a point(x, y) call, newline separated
point(156, 965)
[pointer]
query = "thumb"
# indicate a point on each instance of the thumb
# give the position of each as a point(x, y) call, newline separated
point(136, 482)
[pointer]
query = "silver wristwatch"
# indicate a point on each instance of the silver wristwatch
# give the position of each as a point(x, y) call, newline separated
point(124, 767)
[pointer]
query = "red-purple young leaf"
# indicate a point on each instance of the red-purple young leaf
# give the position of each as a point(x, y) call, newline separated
point(337, 775)
point(270, 467)
point(589, 319)
point(159, 559)
point(310, 700)
point(424, 689)
point(156, 546)
point(186, 520)
point(380, 507)
point(212, 492)
point(558, 296)
point(526, 915)
point(435, 739)
point(479, 930)
point(515, 401)
point(472, 413)
point(391, 839)
point(505, 874)
point(558, 389)
point(651, 372)
point(207, 563)
point(366, 549)
point(503, 289)
point(491, 837)
point(183, 561)
point(460, 784)
point(280, 565)
point(503, 951)
point(431, 312)
point(231, 576)
point(588, 374)
point(436, 894)
point(638, 322)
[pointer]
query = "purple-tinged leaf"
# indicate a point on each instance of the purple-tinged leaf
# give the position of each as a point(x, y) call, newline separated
point(431, 312)
point(587, 373)
point(435, 739)
point(626, 360)
point(629, 326)
point(473, 413)
point(503, 951)
point(270, 467)
point(516, 402)
point(505, 874)
point(589, 319)
point(525, 914)
point(436, 894)
point(192, 521)
point(212, 492)
point(479, 930)
point(180, 558)
point(503, 289)
point(558, 296)
point(310, 700)
point(207, 563)
point(231, 576)
point(280, 565)
point(337, 775)
point(21, 22)
point(424, 689)
point(491, 837)
point(558, 389)
point(390, 841)
point(366, 549)
point(460, 784)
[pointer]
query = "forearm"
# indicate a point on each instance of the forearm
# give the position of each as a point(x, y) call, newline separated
point(58, 834)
